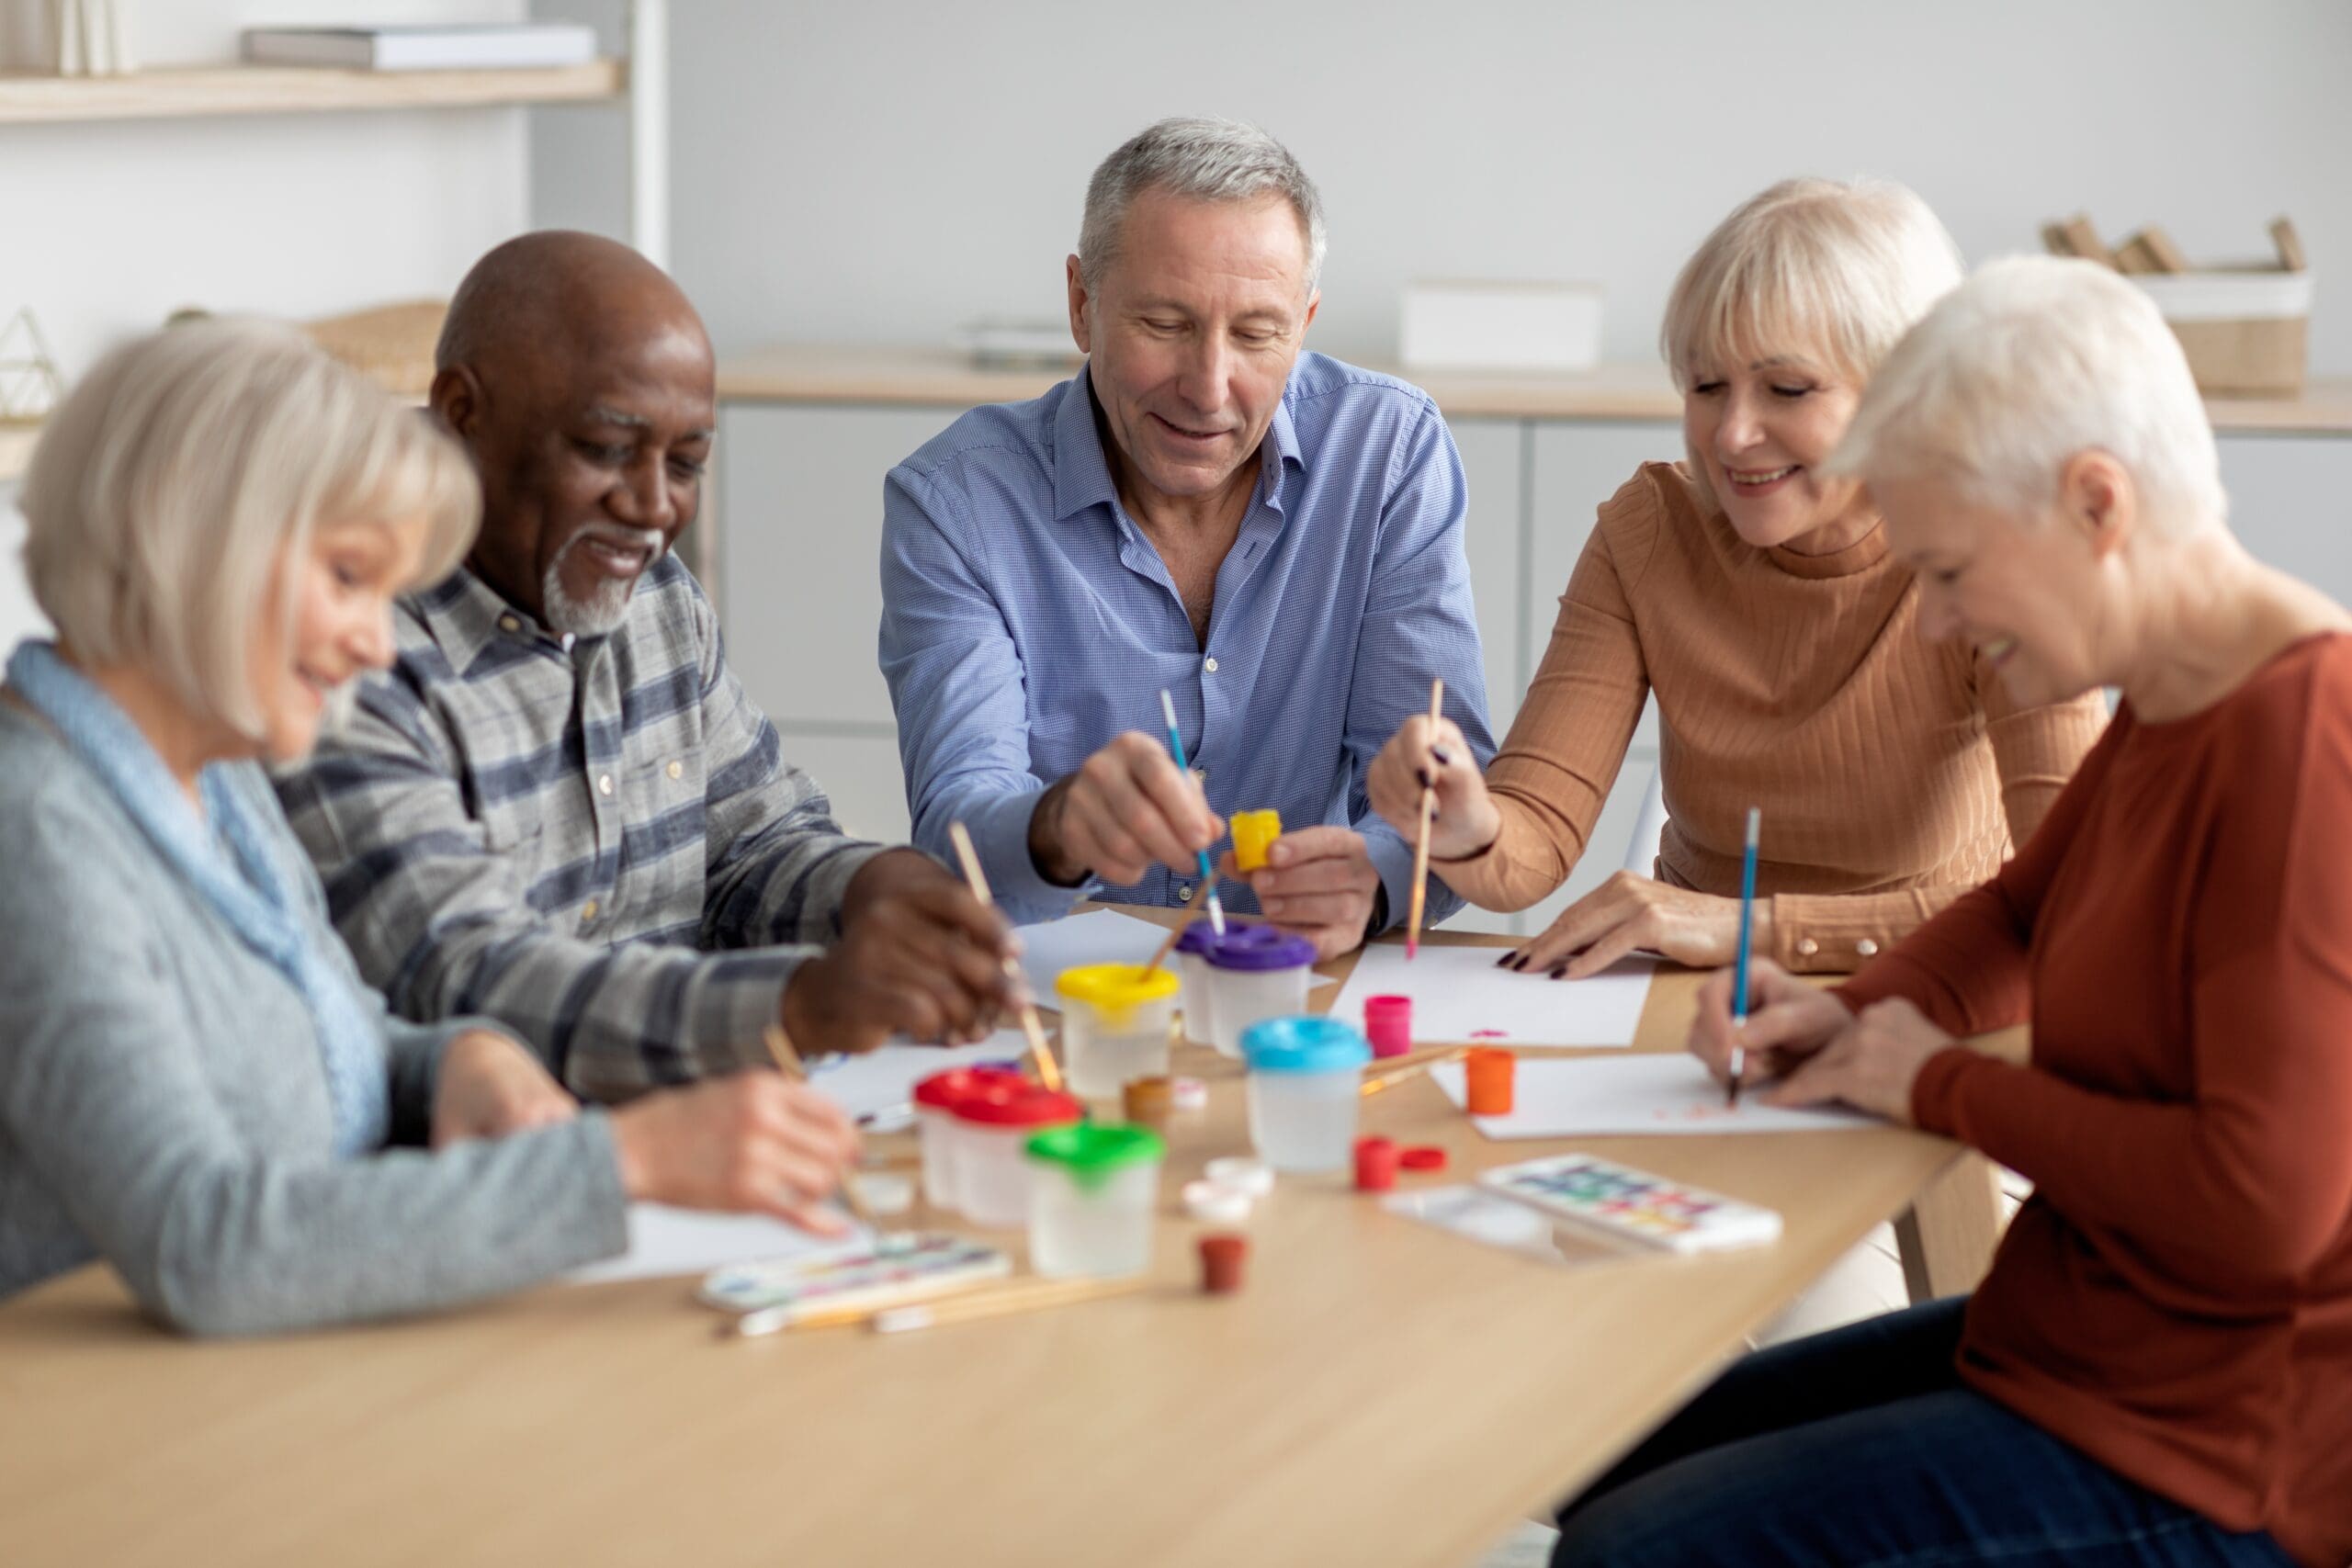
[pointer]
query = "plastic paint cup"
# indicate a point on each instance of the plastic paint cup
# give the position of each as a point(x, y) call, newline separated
point(993, 1126)
point(1117, 1019)
point(1388, 1024)
point(1093, 1189)
point(935, 1099)
point(1192, 973)
point(1254, 833)
point(1254, 972)
point(1305, 1085)
point(1488, 1074)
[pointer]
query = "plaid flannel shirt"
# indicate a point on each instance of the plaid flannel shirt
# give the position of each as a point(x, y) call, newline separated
point(595, 842)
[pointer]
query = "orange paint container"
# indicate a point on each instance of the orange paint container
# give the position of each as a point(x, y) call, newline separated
point(1489, 1073)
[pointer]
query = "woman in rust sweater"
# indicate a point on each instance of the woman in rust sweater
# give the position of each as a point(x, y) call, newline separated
point(2158, 1368)
point(1752, 594)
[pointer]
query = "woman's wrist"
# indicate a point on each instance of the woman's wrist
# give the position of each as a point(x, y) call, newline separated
point(1480, 827)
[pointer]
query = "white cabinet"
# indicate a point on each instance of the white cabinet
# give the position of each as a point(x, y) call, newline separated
point(799, 510)
point(1494, 459)
point(2290, 500)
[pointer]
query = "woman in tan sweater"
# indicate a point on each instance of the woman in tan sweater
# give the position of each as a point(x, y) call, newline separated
point(1754, 595)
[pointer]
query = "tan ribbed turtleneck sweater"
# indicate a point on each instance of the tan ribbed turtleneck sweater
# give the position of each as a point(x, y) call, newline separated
point(1893, 774)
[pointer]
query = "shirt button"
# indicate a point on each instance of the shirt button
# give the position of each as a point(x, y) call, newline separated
point(1183, 890)
point(1209, 664)
point(509, 624)
point(588, 911)
point(1808, 947)
point(604, 783)
point(676, 770)
point(1866, 947)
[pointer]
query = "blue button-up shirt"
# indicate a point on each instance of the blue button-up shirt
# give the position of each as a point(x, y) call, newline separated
point(1026, 621)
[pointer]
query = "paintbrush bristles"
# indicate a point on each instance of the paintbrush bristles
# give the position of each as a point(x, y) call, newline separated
point(1421, 837)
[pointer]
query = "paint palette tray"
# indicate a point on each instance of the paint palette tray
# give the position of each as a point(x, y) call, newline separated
point(1633, 1206)
point(865, 1279)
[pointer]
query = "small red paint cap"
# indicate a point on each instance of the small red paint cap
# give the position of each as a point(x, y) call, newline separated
point(1222, 1257)
point(1388, 1024)
point(1376, 1161)
point(1423, 1156)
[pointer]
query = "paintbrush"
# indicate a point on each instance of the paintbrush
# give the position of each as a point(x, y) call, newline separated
point(1048, 1073)
point(788, 1062)
point(1160, 959)
point(1208, 872)
point(1020, 1295)
point(1740, 970)
point(1412, 1070)
point(1421, 837)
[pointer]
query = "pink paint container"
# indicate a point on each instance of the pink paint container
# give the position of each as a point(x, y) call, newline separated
point(1388, 1024)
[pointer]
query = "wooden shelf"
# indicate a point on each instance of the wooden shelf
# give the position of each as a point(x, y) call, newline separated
point(284, 89)
point(849, 373)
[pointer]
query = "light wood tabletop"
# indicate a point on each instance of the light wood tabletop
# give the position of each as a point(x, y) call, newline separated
point(1379, 1392)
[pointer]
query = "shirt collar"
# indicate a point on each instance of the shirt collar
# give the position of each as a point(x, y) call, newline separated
point(466, 616)
point(1082, 474)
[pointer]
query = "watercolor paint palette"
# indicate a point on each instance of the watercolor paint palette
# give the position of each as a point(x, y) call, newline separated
point(911, 1268)
point(1633, 1205)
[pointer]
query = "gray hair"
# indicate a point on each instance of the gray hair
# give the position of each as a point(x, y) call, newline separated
point(175, 484)
point(1206, 160)
point(2031, 361)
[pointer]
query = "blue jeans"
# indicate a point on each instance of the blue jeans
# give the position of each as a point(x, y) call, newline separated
point(1862, 1446)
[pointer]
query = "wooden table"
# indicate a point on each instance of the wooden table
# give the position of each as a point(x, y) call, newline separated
point(1383, 1393)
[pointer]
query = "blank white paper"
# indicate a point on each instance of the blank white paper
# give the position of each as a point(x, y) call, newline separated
point(1459, 995)
point(1663, 1092)
point(663, 1242)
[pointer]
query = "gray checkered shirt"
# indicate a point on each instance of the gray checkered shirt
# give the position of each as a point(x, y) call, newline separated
point(596, 842)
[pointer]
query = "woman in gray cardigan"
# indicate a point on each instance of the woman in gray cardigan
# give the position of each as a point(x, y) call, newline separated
point(194, 1083)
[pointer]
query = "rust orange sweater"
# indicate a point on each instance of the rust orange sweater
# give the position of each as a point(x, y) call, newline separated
point(2175, 1299)
point(1893, 773)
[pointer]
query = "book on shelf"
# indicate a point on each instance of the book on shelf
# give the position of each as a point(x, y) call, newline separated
point(459, 47)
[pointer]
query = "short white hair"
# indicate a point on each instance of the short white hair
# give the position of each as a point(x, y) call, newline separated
point(2032, 360)
point(1204, 160)
point(1840, 268)
point(178, 485)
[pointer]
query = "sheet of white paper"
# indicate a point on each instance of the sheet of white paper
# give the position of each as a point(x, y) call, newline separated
point(885, 1078)
point(1458, 995)
point(1652, 1092)
point(663, 1241)
point(1098, 936)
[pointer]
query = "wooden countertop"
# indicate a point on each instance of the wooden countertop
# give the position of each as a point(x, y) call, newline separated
point(1382, 1393)
point(884, 375)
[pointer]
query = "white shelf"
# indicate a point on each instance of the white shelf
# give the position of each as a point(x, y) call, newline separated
point(274, 89)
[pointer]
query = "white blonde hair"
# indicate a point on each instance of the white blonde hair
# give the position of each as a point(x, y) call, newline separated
point(179, 484)
point(1842, 267)
point(2032, 360)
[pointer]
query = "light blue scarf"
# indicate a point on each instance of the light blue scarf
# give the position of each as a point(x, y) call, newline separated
point(250, 887)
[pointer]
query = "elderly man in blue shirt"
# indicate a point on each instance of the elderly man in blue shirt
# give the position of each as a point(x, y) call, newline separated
point(1272, 536)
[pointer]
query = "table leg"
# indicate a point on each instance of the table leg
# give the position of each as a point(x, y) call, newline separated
point(1947, 1237)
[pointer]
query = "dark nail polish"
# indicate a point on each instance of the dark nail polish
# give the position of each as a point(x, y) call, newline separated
point(1423, 774)
point(1505, 960)
point(1519, 962)
point(1445, 758)
point(1561, 972)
